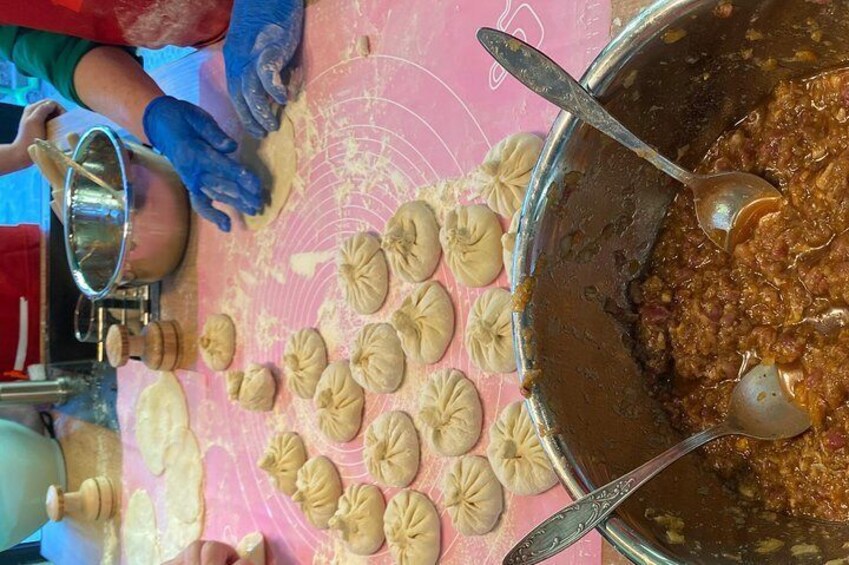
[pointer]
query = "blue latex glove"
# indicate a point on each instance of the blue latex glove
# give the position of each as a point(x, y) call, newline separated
point(262, 39)
point(200, 152)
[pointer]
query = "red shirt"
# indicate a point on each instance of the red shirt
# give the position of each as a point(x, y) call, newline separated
point(137, 23)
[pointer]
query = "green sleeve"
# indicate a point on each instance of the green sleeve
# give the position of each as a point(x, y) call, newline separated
point(49, 56)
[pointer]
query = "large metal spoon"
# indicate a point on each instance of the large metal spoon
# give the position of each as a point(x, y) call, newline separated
point(760, 408)
point(728, 205)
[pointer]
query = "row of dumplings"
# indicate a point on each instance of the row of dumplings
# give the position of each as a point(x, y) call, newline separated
point(471, 486)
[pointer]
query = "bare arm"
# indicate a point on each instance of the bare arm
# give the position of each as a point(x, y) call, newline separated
point(112, 83)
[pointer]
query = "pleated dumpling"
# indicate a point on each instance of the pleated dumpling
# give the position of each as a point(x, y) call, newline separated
point(283, 457)
point(217, 342)
point(450, 412)
point(489, 332)
point(515, 453)
point(339, 403)
point(377, 359)
point(411, 525)
point(317, 490)
point(508, 243)
point(503, 177)
point(258, 388)
point(305, 358)
point(471, 240)
point(425, 323)
point(473, 496)
point(391, 449)
point(411, 241)
point(363, 273)
point(359, 518)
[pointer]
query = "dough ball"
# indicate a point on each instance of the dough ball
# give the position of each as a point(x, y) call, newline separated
point(218, 342)
point(234, 380)
point(274, 161)
point(503, 177)
point(339, 403)
point(516, 455)
point(508, 243)
point(184, 499)
point(258, 389)
point(411, 241)
point(411, 526)
point(318, 488)
point(391, 449)
point(363, 273)
point(473, 496)
point(450, 413)
point(359, 518)
point(140, 536)
point(489, 332)
point(377, 360)
point(251, 548)
point(283, 457)
point(161, 417)
point(471, 240)
point(305, 358)
point(425, 323)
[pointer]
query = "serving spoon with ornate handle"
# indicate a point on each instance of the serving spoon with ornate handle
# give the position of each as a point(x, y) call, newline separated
point(760, 408)
point(728, 205)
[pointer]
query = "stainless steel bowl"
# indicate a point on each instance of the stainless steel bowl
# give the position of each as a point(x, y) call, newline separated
point(131, 234)
point(679, 75)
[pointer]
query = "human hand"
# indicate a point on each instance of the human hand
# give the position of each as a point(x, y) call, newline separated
point(201, 154)
point(262, 39)
point(202, 552)
point(33, 125)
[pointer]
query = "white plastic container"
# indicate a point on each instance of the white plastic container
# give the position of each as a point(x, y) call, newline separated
point(29, 463)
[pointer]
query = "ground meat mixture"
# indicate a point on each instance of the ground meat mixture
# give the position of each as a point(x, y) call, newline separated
point(705, 315)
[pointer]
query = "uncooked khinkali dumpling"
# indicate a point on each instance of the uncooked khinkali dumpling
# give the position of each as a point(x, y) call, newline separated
point(305, 358)
point(506, 171)
point(218, 342)
point(317, 490)
point(283, 457)
point(339, 403)
point(359, 518)
point(258, 389)
point(377, 360)
point(516, 455)
point(473, 496)
point(450, 412)
point(489, 332)
point(471, 240)
point(391, 449)
point(411, 526)
point(425, 323)
point(363, 274)
point(411, 241)
point(508, 242)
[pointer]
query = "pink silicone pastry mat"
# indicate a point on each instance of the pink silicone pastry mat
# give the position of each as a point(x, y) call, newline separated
point(410, 120)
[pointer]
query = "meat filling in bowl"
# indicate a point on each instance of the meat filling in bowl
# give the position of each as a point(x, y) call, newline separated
point(705, 315)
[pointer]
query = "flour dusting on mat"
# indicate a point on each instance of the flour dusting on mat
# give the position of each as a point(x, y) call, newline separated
point(444, 195)
point(305, 264)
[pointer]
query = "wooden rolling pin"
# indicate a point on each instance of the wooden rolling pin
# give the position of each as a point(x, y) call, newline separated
point(96, 500)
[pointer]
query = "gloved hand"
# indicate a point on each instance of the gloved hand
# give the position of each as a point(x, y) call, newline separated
point(200, 152)
point(262, 39)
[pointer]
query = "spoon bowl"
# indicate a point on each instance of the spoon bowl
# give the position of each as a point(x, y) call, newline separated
point(729, 205)
point(761, 407)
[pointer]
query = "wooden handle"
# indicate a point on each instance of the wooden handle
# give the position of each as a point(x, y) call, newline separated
point(95, 501)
